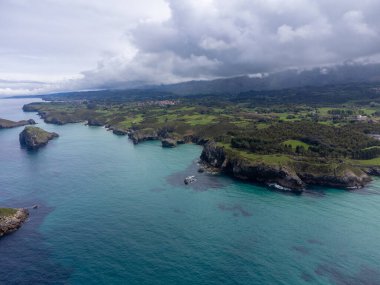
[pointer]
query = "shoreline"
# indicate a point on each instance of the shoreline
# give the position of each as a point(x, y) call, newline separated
point(294, 177)
point(282, 177)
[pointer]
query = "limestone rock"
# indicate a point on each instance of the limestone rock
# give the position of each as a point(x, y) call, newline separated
point(12, 222)
point(34, 137)
point(169, 143)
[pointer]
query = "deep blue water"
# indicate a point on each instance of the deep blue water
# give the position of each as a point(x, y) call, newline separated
point(114, 213)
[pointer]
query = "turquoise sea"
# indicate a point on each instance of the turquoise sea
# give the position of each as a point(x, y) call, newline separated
point(114, 213)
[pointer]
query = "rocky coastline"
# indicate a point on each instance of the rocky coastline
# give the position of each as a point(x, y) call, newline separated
point(282, 177)
point(294, 178)
point(168, 143)
point(138, 136)
point(7, 124)
point(12, 222)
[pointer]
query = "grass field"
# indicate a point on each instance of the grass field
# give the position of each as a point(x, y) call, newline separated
point(275, 159)
point(295, 143)
point(196, 119)
point(128, 122)
point(368, 162)
point(4, 212)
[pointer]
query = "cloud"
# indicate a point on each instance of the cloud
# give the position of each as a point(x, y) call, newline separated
point(53, 41)
point(355, 22)
point(188, 39)
point(228, 38)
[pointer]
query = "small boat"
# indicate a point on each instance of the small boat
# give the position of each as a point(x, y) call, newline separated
point(190, 179)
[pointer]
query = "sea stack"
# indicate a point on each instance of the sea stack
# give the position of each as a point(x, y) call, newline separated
point(34, 137)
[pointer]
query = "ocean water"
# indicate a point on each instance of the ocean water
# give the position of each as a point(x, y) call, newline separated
point(114, 213)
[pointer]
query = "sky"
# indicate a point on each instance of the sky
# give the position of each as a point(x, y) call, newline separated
point(65, 45)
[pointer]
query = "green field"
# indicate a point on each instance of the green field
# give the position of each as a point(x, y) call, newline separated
point(198, 119)
point(295, 143)
point(128, 122)
point(367, 162)
point(4, 212)
point(257, 158)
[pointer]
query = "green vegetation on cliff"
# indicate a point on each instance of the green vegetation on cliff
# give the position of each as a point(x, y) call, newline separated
point(324, 131)
point(5, 212)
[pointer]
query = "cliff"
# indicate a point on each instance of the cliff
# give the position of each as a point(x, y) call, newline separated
point(291, 175)
point(338, 176)
point(168, 143)
point(7, 124)
point(34, 138)
point(147, 134)
point(11, 219)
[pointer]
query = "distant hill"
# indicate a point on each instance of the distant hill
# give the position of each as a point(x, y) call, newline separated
point(341, 74)
point(345, 76)
point(122, 95)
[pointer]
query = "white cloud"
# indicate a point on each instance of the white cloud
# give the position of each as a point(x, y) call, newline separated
point(209, 43)
point(355, 21)
point(57, 39)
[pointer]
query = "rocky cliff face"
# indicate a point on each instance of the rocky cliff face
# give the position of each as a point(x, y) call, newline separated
point(347, 179)
point(372, 170)
point(291, 177)
point(279, 175)
point(34, 138)
point(143, 135)
point(195, 139)
point(6, 124)
point(214, 155)
point(11, 223)
point(95, 122)
point(256, 172)
point(118, 132)
point(169, 143)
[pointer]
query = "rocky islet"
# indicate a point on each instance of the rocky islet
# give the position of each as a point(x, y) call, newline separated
point(33, 137)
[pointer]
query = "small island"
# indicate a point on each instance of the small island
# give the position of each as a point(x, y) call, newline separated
point(34, 137)
point(7, 124)
point(11, 219)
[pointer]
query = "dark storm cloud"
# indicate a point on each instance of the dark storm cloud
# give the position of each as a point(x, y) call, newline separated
point(206, 39)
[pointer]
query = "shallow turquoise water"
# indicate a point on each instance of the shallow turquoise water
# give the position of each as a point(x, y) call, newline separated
point(114, 213)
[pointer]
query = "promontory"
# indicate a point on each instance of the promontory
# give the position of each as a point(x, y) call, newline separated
point(7, 124)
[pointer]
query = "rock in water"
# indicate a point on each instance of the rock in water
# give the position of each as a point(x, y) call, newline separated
point(12, 219)
point(190, 179)
point(169, 143)
point(34, 137)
